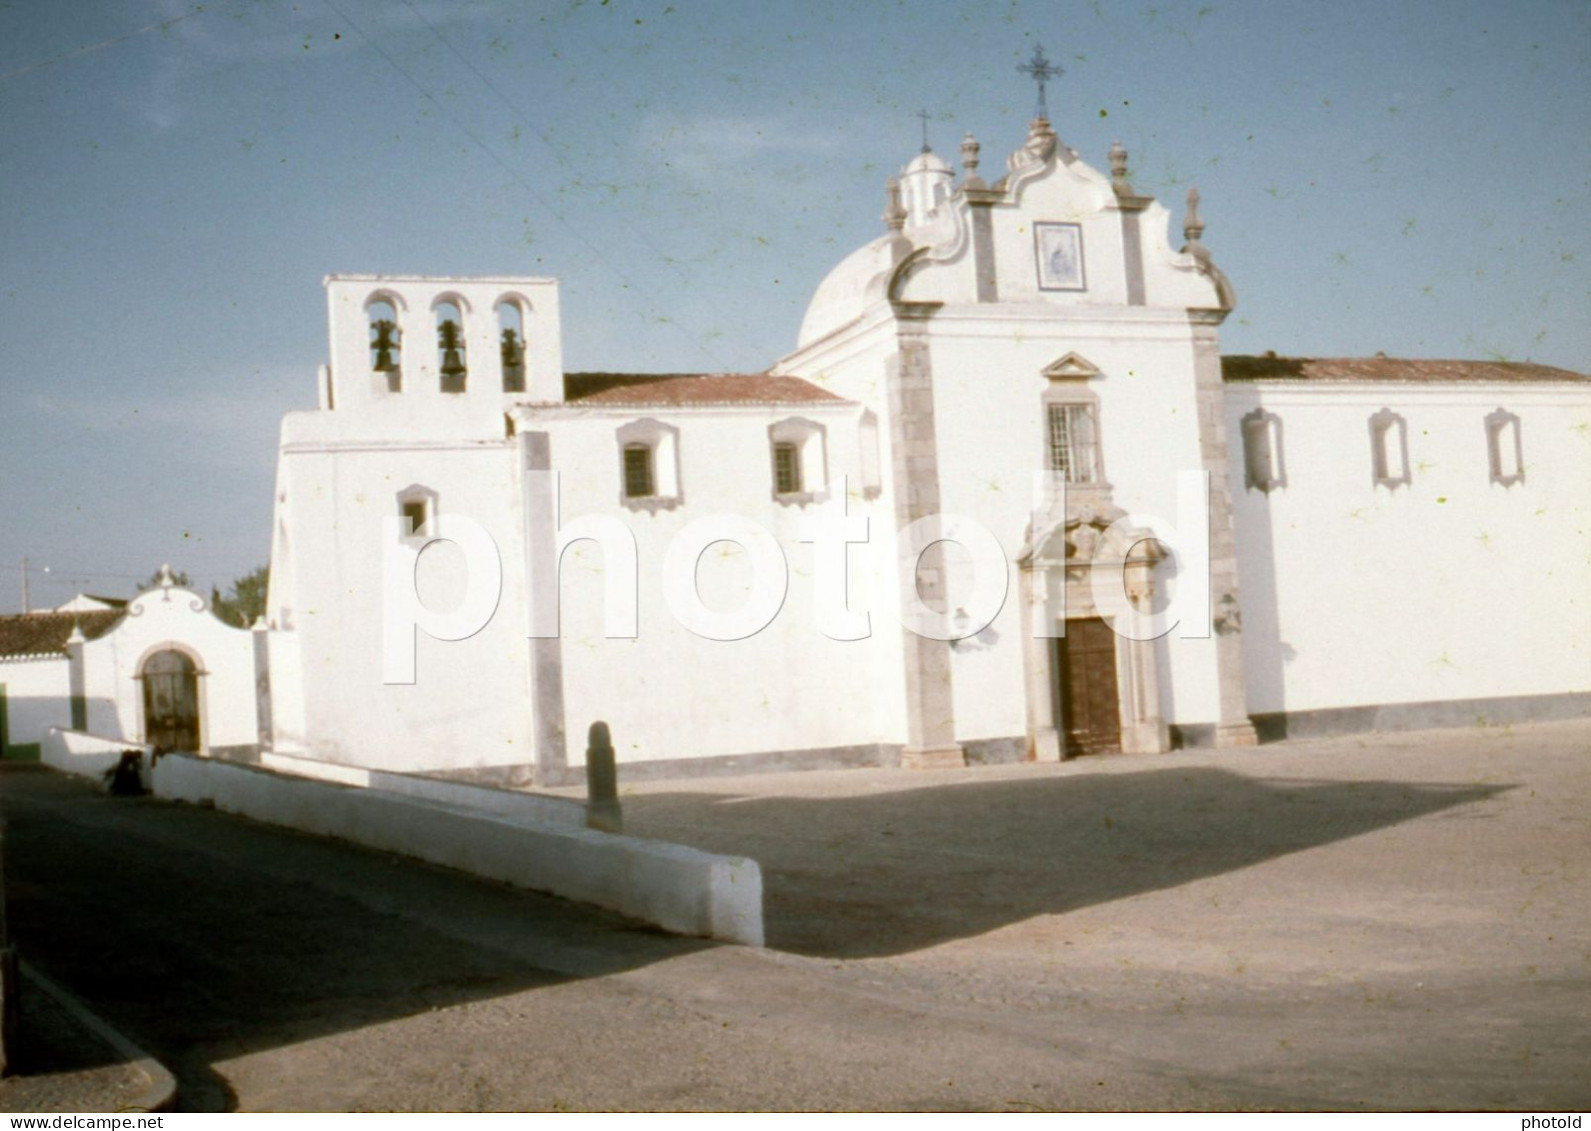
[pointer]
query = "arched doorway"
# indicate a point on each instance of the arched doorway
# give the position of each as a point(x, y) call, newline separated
point(171, 701)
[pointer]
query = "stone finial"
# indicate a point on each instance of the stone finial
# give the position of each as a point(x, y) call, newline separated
point(894, 211)
point(165, 579)
point(1192, 224)
point(1118, 169)
point(969, 154)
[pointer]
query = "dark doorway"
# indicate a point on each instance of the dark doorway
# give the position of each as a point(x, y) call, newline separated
point(1090, 711)
point(171, 701)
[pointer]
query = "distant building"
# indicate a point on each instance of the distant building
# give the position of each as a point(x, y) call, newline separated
point(1386, 543)
point(158, 669)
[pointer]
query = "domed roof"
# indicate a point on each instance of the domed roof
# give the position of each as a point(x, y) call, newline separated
point(927, 162)
point(848, 289)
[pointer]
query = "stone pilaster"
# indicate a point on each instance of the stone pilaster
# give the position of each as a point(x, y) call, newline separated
point(546, 654)
point(930, 711)
point(1233, 728)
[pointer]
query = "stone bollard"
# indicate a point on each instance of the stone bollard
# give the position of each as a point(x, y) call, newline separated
point(602, 782)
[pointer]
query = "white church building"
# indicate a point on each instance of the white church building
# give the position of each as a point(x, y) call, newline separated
point(1115, 538)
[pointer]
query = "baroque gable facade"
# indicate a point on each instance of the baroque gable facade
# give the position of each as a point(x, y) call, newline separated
point(1191, 550)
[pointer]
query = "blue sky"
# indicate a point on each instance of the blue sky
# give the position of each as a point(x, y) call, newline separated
point(176, 179)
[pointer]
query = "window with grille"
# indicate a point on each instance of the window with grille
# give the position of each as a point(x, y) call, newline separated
point(638, 472)
point(1074, 442)
point(787, 469)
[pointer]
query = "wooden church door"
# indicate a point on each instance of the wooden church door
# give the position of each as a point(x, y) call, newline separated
point(1090, 710)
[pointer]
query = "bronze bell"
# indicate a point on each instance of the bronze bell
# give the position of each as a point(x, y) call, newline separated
point(385, 344)
point(513, 349)
point(452, 357)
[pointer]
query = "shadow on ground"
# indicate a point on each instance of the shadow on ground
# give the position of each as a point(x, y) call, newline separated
point(893, 872)
point(205, 937)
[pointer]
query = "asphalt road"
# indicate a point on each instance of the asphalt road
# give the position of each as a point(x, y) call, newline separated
point(1338, 926)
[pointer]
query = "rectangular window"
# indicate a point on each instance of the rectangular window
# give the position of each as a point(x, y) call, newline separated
point(1074, 444)
point(413, 512)
point(787, 469)
point(638, 472)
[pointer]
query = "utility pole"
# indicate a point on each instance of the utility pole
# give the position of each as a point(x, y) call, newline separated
point(25, 585)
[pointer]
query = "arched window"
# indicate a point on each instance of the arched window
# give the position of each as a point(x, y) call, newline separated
point(451, 360)
point(649, 477)
point(386, 342)
point(800, 463)
point(1389, 450)
point(1505, 451)
point(416, 509)
point(1263, 468)
point(511, 336)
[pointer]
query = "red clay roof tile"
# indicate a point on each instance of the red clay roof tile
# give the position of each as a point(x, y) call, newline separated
point(1389, 369)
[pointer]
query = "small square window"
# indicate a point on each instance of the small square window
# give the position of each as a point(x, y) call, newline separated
point(638, 472)
point(416, 508)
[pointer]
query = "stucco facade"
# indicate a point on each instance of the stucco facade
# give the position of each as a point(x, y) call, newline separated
point(1024, 364)
point(161, 670)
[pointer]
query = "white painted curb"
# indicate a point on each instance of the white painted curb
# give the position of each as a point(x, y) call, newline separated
point(680, 889)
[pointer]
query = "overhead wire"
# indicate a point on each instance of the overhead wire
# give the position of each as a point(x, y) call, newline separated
point(519, 178)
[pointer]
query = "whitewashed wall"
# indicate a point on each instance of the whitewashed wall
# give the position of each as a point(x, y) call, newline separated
point(1449, 588)
point(176, 618)
point(469, 706)
point(669, 693)
point(38, 697)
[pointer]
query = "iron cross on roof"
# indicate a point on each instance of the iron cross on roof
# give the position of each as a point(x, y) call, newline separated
point(1041, 70)
point(924, 115)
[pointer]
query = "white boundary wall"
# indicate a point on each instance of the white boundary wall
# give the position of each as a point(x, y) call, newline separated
point(680, 889)
point(85, 755)
point(562, 812)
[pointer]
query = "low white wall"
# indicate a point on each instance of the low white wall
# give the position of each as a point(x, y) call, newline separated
point(38, 694)
point(84, 755)
point(677, 888)
point(562, 812)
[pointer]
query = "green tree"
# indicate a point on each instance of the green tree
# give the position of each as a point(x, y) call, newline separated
point(246, 603)
point(179, 578)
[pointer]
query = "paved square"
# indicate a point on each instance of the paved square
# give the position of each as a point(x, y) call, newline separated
point(1396, 920)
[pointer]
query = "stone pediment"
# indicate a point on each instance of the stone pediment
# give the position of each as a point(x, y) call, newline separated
point(1073, 367)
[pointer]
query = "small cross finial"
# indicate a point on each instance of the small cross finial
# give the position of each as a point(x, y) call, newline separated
point(923, 114)
point(1040, 70)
